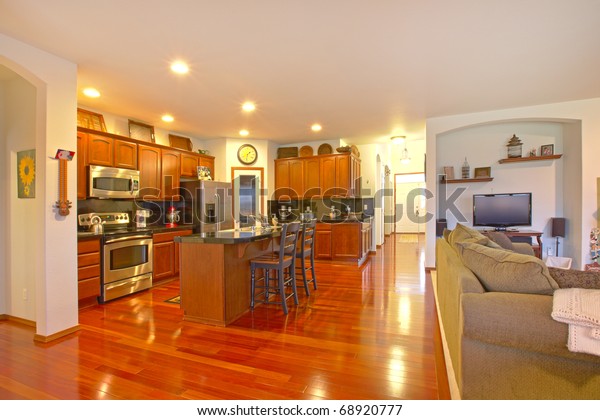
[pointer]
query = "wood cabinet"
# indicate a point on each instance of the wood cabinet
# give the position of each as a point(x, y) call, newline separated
point(324, 175)
point(323, 241)
point(165, 264)
point(149, 165)
point(100, 150)
point(189, 164)
point(126, 154)
point(82, 165)
point(209, 162)
point(170, 161)
point(366, 230)
point(88, 271)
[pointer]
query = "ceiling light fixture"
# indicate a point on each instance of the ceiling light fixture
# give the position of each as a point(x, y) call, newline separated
point(316, 127)
point(248, 106)
point(90, 92)
point(179, 67)
point(244, 133)
point(167, 118)
point(398, 139)
point(405, 159)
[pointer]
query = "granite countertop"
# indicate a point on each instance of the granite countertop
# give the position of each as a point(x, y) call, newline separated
point(230, 236)
point(345, 219)
point(153, 228)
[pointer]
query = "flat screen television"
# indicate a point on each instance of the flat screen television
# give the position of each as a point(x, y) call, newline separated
point(502, 211)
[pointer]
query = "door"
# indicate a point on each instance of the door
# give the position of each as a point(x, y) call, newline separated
point(409, 202)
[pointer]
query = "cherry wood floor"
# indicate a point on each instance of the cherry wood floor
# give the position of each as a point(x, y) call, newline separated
point(366, 333)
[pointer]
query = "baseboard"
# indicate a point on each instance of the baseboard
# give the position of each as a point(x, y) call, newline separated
point(18, 320)
point(452, 383)
point(55, 336)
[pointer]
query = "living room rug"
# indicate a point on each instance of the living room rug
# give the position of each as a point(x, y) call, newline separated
point(176, 299)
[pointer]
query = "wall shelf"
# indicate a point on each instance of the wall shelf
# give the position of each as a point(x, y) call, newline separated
point(461, 180)
point(529, 158)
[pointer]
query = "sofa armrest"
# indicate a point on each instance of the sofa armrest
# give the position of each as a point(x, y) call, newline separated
point(516, 320)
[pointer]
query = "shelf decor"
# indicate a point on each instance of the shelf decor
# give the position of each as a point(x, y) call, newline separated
point(529, 158)
point(515, 147)
point(547, 150)
point(482, 172)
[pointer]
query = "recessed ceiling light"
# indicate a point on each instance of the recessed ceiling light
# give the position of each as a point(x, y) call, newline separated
point(179, 67)
point(167, 118)
point(91, 92)
point(244, 133)
point(248, 106)
point(316, 127)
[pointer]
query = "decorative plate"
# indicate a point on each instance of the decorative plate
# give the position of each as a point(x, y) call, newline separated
point(355, 150)
point(325, 149)
point(306, 151)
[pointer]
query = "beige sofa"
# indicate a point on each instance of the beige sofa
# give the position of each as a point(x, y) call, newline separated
point(503, 344)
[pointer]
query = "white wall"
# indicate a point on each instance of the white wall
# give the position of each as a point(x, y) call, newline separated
point(4, 291)
point(579, 163)
point(54, 243)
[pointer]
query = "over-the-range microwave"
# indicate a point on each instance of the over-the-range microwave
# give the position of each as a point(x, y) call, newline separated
point(106, 182)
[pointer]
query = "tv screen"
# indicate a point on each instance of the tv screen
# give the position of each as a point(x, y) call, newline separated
point(502, 210)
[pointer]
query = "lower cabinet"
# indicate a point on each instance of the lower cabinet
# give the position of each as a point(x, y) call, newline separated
point(343, 241)
point(88, 271)
point(165, 264)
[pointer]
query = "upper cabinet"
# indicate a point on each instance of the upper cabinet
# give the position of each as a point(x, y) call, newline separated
point(323, 175)
point(161, 167)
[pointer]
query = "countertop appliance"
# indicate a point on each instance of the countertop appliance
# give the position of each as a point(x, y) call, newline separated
point(126, 257)
point(208, 204)
point(106, 182)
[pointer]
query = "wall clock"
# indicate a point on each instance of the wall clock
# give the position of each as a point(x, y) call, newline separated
point(247, 154)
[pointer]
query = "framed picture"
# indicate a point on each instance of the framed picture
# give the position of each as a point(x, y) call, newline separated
point(179, 142)
point(547, 150)
point(26, 174)
point(88, 119)
point(483, 172)
point(141, 131)
point(448, 172)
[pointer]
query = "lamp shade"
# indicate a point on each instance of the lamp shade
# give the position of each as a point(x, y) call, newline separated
point(558, 226)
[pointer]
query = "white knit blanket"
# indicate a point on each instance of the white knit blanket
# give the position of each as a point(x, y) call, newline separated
point(580, 308)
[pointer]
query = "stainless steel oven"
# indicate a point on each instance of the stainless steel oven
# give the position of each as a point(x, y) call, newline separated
point(127, 264)
point(126, 261)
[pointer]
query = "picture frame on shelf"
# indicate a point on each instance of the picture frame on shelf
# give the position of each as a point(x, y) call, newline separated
point(448, 172)
point(141, 131)
point(89, 119)
point(547, 150)
point(485, 172)
point(180, 142)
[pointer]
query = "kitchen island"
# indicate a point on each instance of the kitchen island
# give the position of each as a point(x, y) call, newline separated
point(215, 273)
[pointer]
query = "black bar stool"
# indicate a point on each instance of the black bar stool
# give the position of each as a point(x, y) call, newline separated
point(282, 264)
point(306, 250)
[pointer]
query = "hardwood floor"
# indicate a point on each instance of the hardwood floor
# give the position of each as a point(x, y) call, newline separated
point(366, 333)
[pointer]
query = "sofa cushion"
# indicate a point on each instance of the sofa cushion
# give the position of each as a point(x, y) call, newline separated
point(575, 279)
point(501, 239)
point(500, 270)
point(462, 233)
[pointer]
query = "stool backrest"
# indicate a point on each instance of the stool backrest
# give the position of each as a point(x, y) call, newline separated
point(289, 237)
point(308, 235)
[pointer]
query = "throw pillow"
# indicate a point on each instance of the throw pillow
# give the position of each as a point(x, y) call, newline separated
point(571, 279)
point(500, 270)
point(501, 239)
point(462, 233)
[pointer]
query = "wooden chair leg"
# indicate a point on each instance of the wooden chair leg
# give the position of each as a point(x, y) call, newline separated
point(303, 268)
point(312, 269)
point(281, 275)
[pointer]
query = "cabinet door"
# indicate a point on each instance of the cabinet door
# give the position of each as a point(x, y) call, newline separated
point(170, 161)
point(328, 175)
point(347, 241)
point(282, 178)
point(189, 165)
point(100, 150)
point(209, 162)
point(82, 165)
point(323, 241)
point(126, 154)
point(356, 179)
point(312, 179)
point(149, 164)
point(343, 183)
point(296, 178)
point(163, 261)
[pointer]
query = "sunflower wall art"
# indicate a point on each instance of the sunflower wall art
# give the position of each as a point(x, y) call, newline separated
point(26, 174)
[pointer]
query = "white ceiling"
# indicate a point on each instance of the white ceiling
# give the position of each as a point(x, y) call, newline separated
point(364, 69)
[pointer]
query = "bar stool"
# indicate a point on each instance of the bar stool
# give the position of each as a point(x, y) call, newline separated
point(282, 263)
point(306, 250)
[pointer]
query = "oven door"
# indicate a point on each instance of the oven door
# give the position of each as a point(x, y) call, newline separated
point(126, 257)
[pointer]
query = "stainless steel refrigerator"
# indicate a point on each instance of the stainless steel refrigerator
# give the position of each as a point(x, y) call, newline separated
point(208, 205)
